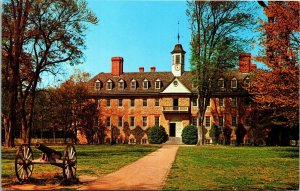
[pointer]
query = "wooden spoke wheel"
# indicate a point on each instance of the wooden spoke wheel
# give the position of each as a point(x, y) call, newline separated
point(69, 162)
point(23, 163)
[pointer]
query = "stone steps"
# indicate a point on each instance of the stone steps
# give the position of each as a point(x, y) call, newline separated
point(174, 141)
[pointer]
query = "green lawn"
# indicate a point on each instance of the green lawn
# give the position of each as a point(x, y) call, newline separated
point(235, 168)
point(92, 160)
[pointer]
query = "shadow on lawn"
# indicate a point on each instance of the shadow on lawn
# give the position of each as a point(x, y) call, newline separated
point(287, 152)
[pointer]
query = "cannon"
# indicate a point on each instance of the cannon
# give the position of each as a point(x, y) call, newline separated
point(24, 161)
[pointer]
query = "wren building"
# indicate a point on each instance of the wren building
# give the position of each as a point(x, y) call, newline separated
point(147, 98)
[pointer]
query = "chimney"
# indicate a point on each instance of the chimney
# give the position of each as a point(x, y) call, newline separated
point(116, 66)
point(141, 69)
point(245, 62)
point(152, 69)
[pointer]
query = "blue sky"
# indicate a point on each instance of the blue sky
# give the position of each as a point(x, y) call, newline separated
point(142, 32)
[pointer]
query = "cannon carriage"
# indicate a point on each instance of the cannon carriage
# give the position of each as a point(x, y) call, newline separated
point(24, 161)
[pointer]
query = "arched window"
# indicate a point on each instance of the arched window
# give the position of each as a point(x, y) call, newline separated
point(97, 85)
point(247, 82)
point(158, 84)
point(121, 84)
point(221, 83)
point(145, 84)
point(133, 84)
point(233, 83)
point(109, 84)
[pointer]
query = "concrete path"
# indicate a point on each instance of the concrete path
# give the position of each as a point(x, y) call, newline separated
point(147, 173)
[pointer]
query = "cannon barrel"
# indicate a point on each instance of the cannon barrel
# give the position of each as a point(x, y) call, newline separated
point(48, 151)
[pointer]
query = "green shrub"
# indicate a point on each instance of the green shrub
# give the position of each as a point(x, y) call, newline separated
point(157, 135)
point(214, 133)
point(189, 135)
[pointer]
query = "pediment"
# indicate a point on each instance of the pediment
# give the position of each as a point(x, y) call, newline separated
point(176, 87)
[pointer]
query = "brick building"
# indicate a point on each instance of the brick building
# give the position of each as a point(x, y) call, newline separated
point(148, 98)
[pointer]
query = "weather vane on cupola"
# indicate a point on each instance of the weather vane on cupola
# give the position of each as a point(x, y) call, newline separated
point(178, 36)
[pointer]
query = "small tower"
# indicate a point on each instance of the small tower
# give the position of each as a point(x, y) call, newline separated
point(178, 58)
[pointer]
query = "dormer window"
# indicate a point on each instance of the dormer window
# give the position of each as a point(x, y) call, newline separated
point(221, 83)
point(145, 84)
point(121, 84)
point(109, 84)
point(133, 84)
point(233, 83)
point(97, 85)
point(247, 82)
point(158, 84)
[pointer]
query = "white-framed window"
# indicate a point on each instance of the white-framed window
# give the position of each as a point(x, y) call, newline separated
point(157, 102)
point(194, 102)
point(107, 121)
point(145, 102)
point(221, 121)
point(145, 84)
point(156, 120)
point(247, 82)
point(158, 84)
point(233, 83)
point(107, 102)
point(207, 121)
point(132, 102)
point(120, 102)
point(133, 84)
point(234, 102)
point(97, 85)
point(121, 84)
point(233, 123)
point(131, 121)
point(145, 121)
point(221, 102)
point(109, 84)
point(120, 121)
point(221, 83)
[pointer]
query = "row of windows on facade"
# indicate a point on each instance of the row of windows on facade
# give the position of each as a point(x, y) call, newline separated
point(157, 121)
point(133, 84)
point(158, 84)
point(221, 121)
point(233, 84)
point(157, 102)
point(131, 121)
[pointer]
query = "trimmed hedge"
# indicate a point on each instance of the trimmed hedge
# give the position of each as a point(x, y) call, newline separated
point(157, 135)
point(189, 135)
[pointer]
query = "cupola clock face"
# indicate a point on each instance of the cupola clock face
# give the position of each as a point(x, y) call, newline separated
point(177, 67)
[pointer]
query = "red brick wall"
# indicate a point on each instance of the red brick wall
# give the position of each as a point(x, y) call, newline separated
point(245, 64)
point(116, 66)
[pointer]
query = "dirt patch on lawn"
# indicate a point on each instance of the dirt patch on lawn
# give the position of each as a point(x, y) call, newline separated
point(48, 182)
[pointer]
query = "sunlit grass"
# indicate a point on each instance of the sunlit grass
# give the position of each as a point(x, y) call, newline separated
point(235, 168)
point(93, 160)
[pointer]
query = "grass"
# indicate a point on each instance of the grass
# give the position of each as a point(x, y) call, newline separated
point(235, 168)
point(92, 160)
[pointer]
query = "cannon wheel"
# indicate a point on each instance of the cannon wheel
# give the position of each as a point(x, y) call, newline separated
point(23, 163)
point(69, 162)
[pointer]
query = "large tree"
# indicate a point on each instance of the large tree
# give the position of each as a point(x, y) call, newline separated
point(38, 36)
point(276, 90)
point(215, 45)
point(14, 24)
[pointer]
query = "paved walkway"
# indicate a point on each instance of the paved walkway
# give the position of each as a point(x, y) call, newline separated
point(147, 173)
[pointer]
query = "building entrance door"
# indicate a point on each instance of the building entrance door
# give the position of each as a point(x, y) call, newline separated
point(172, 132)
